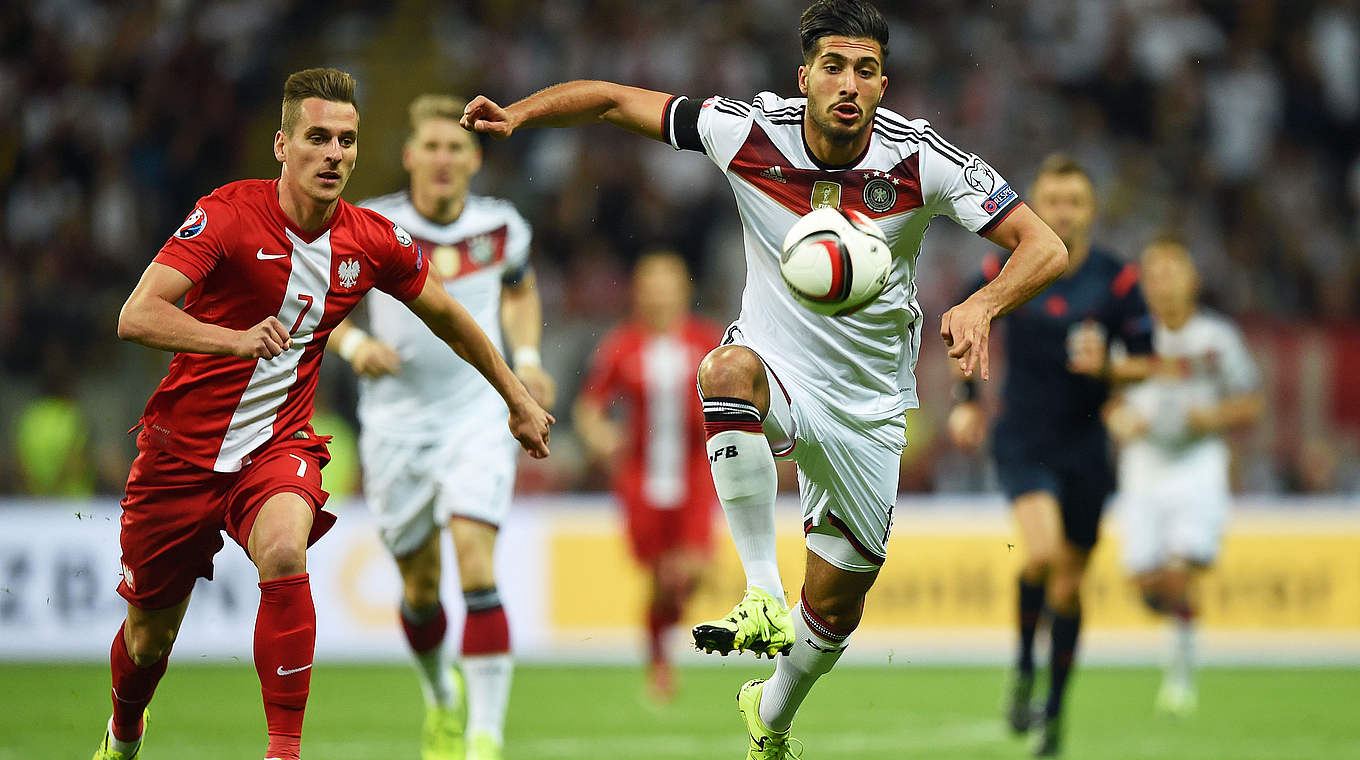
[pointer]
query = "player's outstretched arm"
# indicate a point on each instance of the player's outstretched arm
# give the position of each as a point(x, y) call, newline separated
point(570, 104)
point(151, 317)
point(522, 320)
point(366, 355)
point(453, 324)
point(1038, 257)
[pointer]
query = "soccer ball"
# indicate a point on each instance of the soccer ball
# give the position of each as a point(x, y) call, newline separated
point(834, 262)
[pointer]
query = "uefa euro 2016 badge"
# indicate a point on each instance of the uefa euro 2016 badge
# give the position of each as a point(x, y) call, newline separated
point(403, 236)
point(193, 224)
point(348, 272)
point(879, 195)
point(826, 194)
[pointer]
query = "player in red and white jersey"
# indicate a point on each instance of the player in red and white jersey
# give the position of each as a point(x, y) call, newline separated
point(827, 392)
point(656, 455)
point(266, 269)
point(432, 451)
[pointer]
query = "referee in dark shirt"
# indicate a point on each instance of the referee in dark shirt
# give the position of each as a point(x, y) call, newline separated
point(1049, 443)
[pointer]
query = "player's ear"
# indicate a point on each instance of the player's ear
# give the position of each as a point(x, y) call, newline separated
point(279, 141)
point(406, 156)
point(802, 79)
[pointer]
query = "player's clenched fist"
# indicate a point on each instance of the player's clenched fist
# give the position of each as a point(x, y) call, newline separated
point(266, 340)
point(483, 115)
point(529, 424)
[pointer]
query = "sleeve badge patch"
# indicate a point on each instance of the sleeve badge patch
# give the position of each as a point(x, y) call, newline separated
point(193, 224)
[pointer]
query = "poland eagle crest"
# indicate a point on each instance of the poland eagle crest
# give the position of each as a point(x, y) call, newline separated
point(349, 272)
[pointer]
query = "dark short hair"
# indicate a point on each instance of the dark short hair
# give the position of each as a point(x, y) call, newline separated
point(1061, 164)
point(843, 18)
point(328, 84)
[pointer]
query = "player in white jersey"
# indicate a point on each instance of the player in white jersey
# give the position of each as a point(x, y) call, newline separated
point(430, 454)
point(827, 392)
point(1173, 463)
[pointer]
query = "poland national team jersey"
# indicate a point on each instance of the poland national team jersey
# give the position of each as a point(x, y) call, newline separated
point(485, 247)
point(247, 262)
point(1209, 362)
point(862, 364)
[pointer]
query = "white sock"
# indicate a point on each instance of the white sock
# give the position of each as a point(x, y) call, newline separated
point(1183, 651)
point(815, 651)
point(746, 482)
point(117, 745)
point(487, 679)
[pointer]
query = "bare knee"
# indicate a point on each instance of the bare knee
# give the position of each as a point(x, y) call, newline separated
point(280, 558)
point(735, 372)
point(420, 586)
point(842, 612)
point(148, 642)
point(476, 545)
point(1064, 591)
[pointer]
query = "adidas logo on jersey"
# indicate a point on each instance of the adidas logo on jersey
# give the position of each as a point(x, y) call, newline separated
point(775, 173)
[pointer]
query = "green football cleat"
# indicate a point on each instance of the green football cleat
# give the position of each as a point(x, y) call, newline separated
point(484, 747)
point(759, 623)
point(1177, 699)
point(441, 738)
point(765, 744)
point(106, 751)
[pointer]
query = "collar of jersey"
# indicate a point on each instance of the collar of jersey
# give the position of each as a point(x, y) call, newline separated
point(824, 166)
point(305, 236)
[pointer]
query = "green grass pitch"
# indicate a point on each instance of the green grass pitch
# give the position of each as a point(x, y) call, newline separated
point(564, 713)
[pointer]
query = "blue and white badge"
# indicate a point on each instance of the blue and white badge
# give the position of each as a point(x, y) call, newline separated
point(998, 200)
point(193, 225)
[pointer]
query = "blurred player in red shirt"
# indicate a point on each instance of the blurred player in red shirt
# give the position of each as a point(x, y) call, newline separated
point(266, 268)
point(657, 454)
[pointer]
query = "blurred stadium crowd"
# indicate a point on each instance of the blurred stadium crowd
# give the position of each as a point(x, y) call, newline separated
point(1236, 122)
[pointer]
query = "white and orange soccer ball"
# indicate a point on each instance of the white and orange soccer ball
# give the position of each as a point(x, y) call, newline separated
point(834, 262)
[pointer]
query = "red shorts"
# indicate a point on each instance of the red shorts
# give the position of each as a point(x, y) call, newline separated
point(174, 514)
point(653, 532)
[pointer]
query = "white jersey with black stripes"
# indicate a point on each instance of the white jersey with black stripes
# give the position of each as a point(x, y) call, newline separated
point(859, 365)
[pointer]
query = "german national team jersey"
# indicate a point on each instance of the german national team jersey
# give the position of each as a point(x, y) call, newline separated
point(248, 261)
point(862, 364)
point(1046, 407)
point(486, 247)
point(1203, 363)
point(664, 463)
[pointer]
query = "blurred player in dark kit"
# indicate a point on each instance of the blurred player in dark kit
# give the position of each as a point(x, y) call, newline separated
point(1049, 442)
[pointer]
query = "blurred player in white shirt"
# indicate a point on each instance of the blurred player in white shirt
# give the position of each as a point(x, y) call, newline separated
point(431, 455)
point(1173, 462)
point(829, 393)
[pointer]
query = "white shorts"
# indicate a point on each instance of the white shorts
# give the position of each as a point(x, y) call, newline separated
point(847, 473)
point(1173, 505)
point(414, 487)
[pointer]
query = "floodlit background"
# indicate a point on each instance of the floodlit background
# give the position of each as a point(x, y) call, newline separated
point(1234, 123)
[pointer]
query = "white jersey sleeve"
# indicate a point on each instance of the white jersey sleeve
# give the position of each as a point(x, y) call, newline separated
point(722, 126)
point(1238, 373)
point(962, 186)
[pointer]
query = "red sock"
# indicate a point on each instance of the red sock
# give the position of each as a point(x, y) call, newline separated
point(132, 688)
point(285, 639)
point(427, 634)
point(486, 630)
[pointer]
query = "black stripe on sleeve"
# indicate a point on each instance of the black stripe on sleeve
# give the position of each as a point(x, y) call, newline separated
point(1000, 216)
point(682, 123)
